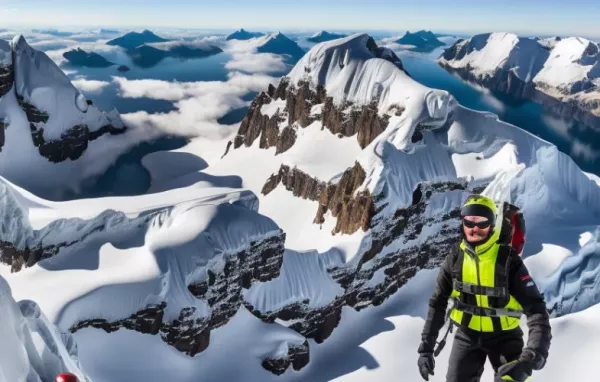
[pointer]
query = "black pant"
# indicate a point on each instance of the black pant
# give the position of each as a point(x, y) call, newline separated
point(470, 350)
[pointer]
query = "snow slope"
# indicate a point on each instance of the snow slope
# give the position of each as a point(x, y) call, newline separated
point(162, 241)
point(507, 51)
point(32, 348)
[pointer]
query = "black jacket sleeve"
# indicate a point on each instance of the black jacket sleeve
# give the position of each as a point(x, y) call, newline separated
point(523, 288)
point(437, 306)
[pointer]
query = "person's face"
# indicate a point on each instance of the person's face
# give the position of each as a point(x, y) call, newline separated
point(476, 228)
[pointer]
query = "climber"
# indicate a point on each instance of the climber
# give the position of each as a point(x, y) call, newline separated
point(490, 288)
point(66, 377)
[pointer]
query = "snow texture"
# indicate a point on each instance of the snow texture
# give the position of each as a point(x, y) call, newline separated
point(221, 208)
point(32, 348)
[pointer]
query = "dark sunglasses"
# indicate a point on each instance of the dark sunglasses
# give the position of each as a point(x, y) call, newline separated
point(481, 225)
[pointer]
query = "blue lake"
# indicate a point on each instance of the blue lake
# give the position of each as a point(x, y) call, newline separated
point(580, 142)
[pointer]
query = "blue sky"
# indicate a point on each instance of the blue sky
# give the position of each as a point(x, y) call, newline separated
point(573, 17)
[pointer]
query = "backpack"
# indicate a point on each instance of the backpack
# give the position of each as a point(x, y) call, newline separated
point(513, 228)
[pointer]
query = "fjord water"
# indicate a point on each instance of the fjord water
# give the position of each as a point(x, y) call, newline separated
point(580, 142)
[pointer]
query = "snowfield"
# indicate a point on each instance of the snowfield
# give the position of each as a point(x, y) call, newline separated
point(136, 251)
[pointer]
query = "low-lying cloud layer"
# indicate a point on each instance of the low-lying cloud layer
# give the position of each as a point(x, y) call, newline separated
point(199, 104)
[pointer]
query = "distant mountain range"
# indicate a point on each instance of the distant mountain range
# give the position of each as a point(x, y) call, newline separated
point(324, 36)
point(421, 40)
point(244, 35)
point(79, 57)
point(132, 40)
point(278, 43)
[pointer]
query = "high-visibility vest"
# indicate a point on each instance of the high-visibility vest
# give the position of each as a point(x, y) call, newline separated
point(482, 301)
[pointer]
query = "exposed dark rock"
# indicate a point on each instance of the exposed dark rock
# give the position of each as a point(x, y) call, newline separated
point(298, 357)
point(6, 79)
point(254, 122)
point(281, 90)
point(123, 68)
point(350, 119)
point(260, 261)
point(301, 184)
point(31, 254)
point(346, 120)
point(3, 126)
point(506, 82)
point(286, 140)
point(352, 212)
point(503, 81)
point(397, 266)
point(26, 257)
point(72, 143)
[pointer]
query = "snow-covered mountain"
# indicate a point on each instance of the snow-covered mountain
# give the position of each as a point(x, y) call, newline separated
point(52, 136)
point(308, 250)
point(563, 74)
point(132, 40)
point(243, 35)
point(32, 348)
point(324, 36)
point(147, 55)
point(278, 43)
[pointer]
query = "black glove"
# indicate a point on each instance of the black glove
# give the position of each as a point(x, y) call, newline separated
point(533, 358)
point(514, 371)
point(426, 361)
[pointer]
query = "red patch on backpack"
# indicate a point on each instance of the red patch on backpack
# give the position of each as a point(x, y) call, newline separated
point(526, 277)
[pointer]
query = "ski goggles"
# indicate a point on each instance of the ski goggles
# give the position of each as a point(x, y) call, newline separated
point(480, 225)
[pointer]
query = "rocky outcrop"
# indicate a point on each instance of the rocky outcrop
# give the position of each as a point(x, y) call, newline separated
point(256, 125)
point(301, 184)
point(391, 269)
point(503, 81)
point(316, 323)
point(190, 334)
point(261, 261)
point(569, 102)
point(352, 211)
point(297, 356)
point(72, 143)
point(34, 249)
point(348, 120)
point(187, 334)
point(18, 258)
point(3, 126)
point(6, 79)
point(279, 130)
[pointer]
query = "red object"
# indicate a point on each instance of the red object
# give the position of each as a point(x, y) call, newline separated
point(66, 377)
point(518, 237)
point(526, 277)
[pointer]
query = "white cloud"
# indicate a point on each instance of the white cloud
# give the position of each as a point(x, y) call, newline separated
point(199, 104)
point(584, 150)
point(238, 84)
point(256, 63)
point(90, 86)
point(52, 44)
